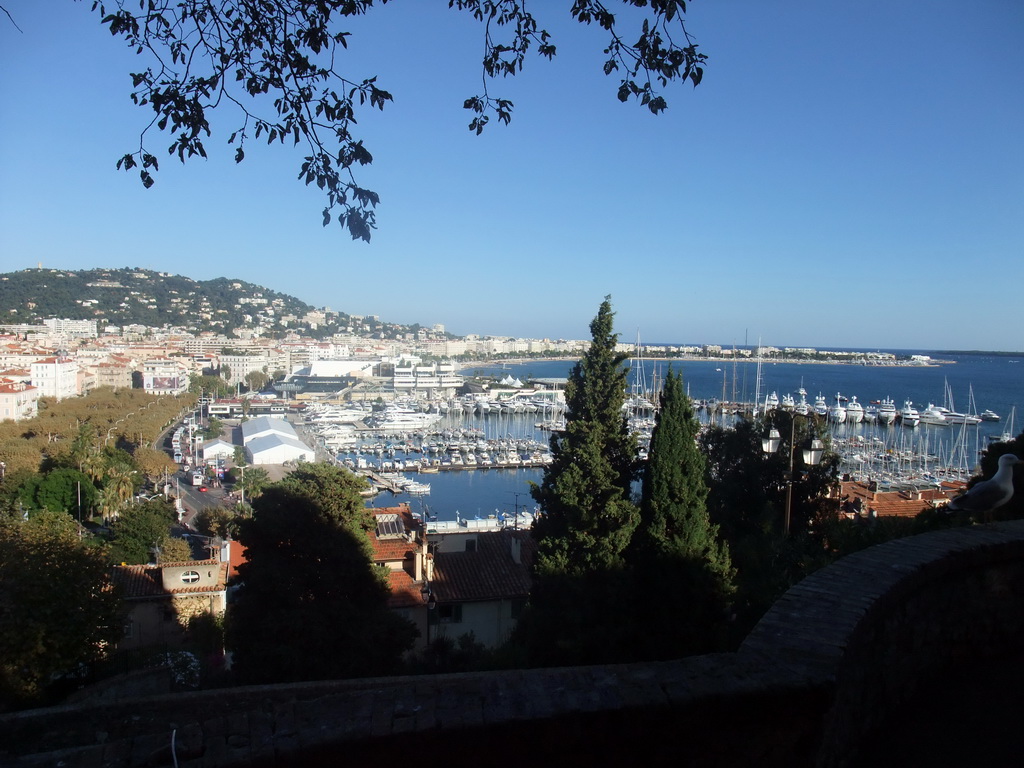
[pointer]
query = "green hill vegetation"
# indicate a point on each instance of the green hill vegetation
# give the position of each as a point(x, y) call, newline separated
point(128, 296)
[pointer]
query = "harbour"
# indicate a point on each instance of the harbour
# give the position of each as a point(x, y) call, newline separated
point(887, 452)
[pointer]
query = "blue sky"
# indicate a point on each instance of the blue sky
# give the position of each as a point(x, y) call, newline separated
point(847, 175)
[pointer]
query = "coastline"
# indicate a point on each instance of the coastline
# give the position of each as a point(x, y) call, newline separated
point(702, 359)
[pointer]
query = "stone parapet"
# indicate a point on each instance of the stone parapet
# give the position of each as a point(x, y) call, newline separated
point(814, 679)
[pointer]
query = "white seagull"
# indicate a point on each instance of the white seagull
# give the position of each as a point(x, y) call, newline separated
point(988, 494)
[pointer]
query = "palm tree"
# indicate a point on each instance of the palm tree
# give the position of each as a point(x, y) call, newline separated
point(121, 479)
point(109, 503)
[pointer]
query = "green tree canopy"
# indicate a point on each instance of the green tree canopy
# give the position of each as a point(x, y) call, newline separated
point(216, 521)
point(588, 516)
point(60, 490)
point(747, 499)
point(202, 55)
point(140, 529)
point(58, 608)
point(253, 481)
point(335, 490)
point(677, 544)
point(312, 604)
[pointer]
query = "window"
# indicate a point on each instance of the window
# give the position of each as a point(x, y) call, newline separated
point(471, 545)
point(450, 613)
point(190, 577)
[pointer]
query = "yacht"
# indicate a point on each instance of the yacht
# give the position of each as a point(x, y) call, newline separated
point(854, 411)
point(837, 412)
point(933, 415)
point(802, 407)
point(887, 411)
point(954, 417)
point(988, 415)
point(908, 415)
point(820, 406)
point(788, 403)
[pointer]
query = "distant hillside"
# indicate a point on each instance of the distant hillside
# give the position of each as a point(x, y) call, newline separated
point(144, 297)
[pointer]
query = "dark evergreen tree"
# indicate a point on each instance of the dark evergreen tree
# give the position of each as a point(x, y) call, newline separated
point(588, 518)
point(580, 585)
point(312, 604)
point(676, 543)
point(747, 498)
point(673, 512)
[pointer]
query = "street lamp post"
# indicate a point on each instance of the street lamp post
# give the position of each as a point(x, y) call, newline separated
point(431, 602)
point(811, 456)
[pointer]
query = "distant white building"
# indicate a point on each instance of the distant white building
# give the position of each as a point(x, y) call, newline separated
point(76, 328)
point(277, 449)
point(267, 425)
point(218, 449)
point(55, 377)
point(164, 376)
point(272, 440)
point(18, 400)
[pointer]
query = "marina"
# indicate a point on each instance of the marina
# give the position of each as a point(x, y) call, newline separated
point(477, 456)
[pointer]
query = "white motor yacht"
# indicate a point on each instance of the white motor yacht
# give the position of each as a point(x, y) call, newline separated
point(887, 411)
point(908, 415)
point(837, 412)
point(820, 406)
point(854, 411)
point(933, 415)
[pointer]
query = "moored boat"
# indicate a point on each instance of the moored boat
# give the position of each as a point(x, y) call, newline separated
point(837, 412)
point(887, 411)
point(933, 415)
point(820, 406)
point(908, 415)
point(854, 411)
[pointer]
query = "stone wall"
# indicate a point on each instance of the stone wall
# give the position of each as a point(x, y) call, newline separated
point(814, 678)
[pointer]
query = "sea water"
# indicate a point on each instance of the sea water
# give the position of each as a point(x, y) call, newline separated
point(997, 384)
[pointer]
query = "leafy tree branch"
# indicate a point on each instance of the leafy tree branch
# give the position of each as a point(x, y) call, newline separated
point(286, 53)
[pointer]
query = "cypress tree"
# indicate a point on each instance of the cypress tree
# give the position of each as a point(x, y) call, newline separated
point(588, 518)
point(677, 544)
point(674, 517)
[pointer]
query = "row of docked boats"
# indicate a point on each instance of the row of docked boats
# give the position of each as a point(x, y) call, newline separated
point(848, 410)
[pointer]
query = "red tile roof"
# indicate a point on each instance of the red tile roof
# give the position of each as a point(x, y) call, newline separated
point(899, 503)
point(392, 550)
point(146, 581)
point(405, 593)
point(488, 573)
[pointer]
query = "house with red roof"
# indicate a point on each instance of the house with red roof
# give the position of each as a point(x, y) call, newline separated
point(163, 599)
point(483, 587)
point(18, 400)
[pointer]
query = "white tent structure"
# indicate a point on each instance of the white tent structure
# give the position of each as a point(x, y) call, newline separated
point(270, 440)
point(218, 449)
point(266, 425)
point(278, 449)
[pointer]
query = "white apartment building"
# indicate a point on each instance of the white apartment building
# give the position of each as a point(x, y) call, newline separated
point(165, 376)
point(18, 400)
point(55, 377)
point(76, 328)
point(426, 379)
point(265, 361)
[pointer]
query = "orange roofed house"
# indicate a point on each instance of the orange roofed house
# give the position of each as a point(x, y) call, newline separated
point(454, 583)
point(162, 599)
